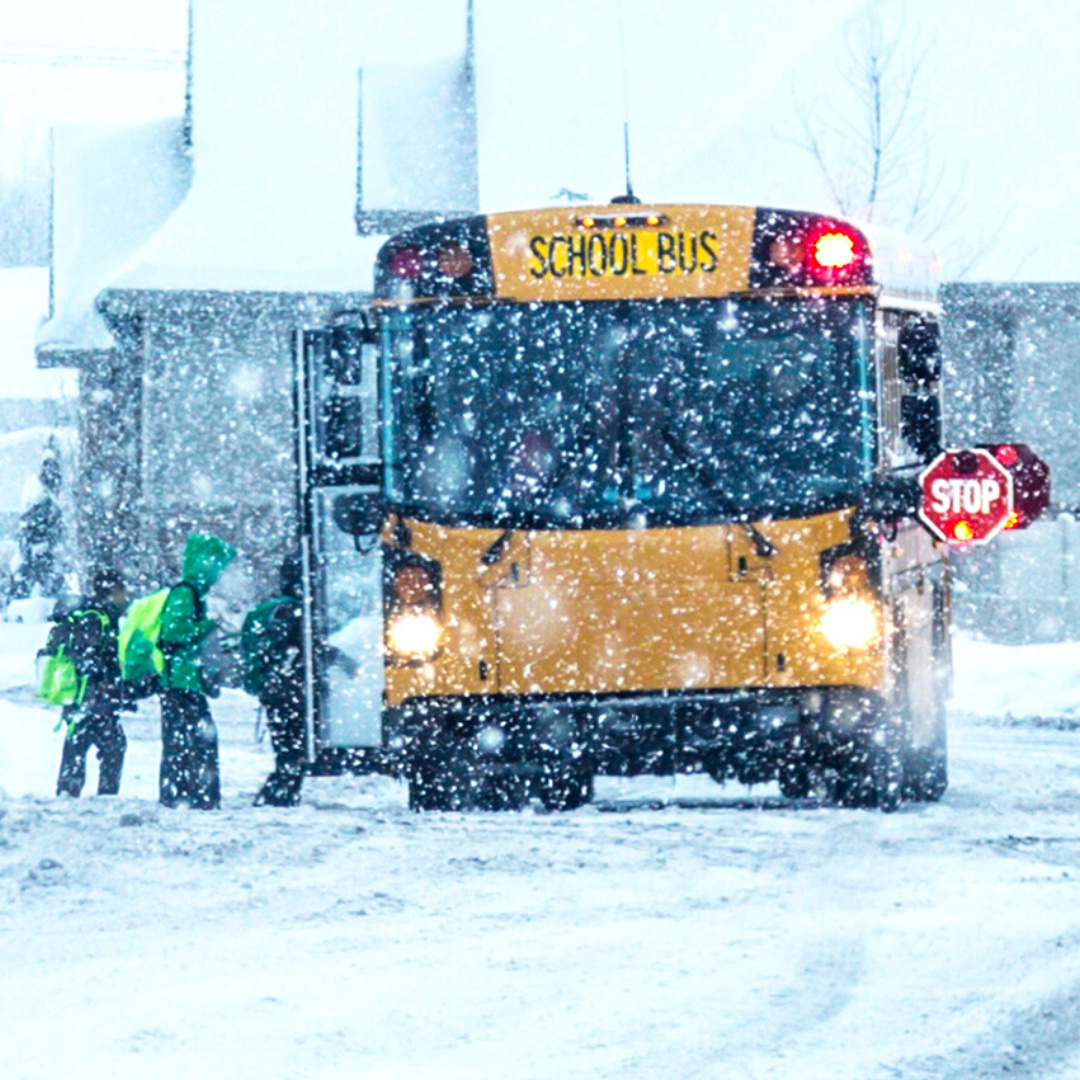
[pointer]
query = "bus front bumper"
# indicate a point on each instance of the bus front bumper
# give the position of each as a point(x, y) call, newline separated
point(742, 734)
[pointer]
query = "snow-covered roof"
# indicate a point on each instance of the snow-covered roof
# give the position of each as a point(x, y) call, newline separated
point(113, 188)
point(317, 106)
point(903, 265)
point(277, 137)
point(24, 304)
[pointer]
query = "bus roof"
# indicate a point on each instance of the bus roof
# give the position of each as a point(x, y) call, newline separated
point(632, 251)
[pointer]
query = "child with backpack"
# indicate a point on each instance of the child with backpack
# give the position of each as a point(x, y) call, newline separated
point(82, 673)
point(272, 642)
point(162, 645)
point(273, 649)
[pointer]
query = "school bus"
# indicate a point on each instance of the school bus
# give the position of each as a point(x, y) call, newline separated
point(630, 489)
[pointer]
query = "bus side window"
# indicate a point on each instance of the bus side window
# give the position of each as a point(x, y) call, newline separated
point(342, 363)
point(343, 424)
point(909, 360)
point(919, 362)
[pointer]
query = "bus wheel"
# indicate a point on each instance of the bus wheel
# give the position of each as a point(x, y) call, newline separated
point(872, 773)
point(452, 774)
point(795, 780)
point(926, 768)
point(435, 785)
point(802, 779)
point(565, 784)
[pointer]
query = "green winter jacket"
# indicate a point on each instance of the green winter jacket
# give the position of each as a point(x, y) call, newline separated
point(184, 625)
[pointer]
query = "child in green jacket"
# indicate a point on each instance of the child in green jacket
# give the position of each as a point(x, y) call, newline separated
point(189, 745)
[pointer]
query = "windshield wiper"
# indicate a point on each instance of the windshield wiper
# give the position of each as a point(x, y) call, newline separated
point(763, 547)
point(495, 553)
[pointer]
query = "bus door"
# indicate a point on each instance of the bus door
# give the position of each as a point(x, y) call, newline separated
point(339, 476)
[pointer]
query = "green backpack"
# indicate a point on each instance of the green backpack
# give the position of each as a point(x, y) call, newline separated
point(60, 683)
point(259, 644)
point(140, 655)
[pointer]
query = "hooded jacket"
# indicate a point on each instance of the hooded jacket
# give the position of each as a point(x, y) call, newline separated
point(184, 625)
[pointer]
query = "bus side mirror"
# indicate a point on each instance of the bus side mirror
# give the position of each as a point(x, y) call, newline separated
point(918, 349)
point(359, 513)
point(920, 422)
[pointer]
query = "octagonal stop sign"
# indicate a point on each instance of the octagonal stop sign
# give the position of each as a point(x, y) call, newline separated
point(967, 496)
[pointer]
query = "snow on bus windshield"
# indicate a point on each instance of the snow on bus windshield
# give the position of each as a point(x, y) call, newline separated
point(666, 412)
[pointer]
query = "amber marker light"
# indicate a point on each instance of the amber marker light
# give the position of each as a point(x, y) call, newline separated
point(454, 261)
point(407, 263)
point(653, 219)
point(413, 584)
point(588, 222)
point(620, 221)
point(1012, 520)
point(786, 253)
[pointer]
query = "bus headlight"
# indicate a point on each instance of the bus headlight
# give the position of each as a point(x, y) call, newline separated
point(850, 623)
point(414, 635)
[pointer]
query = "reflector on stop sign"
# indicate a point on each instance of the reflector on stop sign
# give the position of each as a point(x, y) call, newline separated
point(967, 496)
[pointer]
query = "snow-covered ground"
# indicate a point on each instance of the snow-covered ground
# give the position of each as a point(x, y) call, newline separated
point(725, 935)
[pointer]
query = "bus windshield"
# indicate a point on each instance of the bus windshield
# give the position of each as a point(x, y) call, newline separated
point(614, 414)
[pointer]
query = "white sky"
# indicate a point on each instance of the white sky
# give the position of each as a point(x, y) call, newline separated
point(52, 70)
point(712, 114)
point(710, 99)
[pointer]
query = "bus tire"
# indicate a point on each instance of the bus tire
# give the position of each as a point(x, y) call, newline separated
point(802, 779)
point(794, 779)
point(453, 774)
point(855, 777)
point(872, 773)
point(445, 775)
point(434, 786)
point(565, 785)
point(926, 768)
point(887, 764)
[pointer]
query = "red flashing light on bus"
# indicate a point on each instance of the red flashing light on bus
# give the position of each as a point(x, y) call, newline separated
point(808, 251)
point(834, 250)
point(407, 263)
point(834, 253)
point(1031, 482)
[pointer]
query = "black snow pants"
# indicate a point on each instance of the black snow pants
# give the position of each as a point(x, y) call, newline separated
point(102, 730)
point(286, 723)
point(189, 751)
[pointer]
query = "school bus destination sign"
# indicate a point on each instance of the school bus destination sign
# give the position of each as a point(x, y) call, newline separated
point(621, 252)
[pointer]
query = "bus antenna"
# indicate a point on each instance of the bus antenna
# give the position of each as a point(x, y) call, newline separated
point(629, 197)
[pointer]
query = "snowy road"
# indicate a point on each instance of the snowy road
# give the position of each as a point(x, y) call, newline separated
point(729, 937)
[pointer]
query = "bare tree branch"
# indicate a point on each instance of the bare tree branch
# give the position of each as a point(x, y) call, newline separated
point(874, 143)
point(872, 152)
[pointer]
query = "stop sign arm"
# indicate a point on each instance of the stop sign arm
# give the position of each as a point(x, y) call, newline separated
point(1031, 481)
point(967, 496)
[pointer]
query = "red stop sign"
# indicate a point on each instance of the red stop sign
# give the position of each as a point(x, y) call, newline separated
point(967, 496)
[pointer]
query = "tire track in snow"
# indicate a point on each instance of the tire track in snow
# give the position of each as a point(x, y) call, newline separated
point(1033, 1042)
